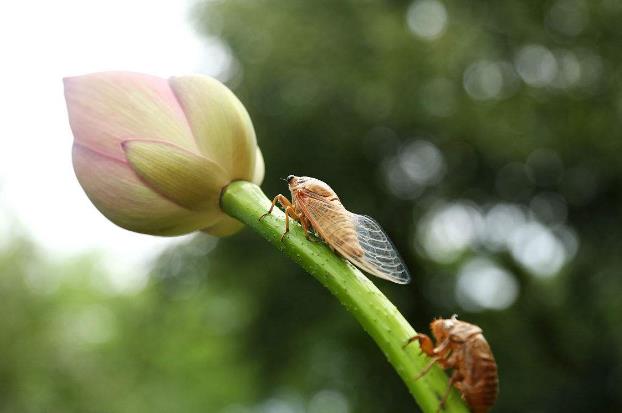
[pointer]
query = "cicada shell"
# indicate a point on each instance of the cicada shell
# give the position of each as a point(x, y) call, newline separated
point(461, 346)
point(358, 238)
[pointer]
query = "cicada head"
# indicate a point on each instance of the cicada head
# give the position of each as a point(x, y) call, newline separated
point(442, 327)
point(308, 184)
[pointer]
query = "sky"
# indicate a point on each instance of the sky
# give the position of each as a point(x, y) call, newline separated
point(42, 42)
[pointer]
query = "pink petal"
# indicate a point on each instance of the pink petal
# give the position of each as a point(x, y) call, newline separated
point(109, 107)
point(123, 198)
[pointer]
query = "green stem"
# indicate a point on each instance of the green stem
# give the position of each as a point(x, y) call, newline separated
point(378, 316)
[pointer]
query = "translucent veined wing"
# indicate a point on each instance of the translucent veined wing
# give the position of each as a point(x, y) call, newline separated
point(358, 238)
point(379, 251)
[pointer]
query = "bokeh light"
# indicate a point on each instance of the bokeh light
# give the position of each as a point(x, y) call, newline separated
point(483, 285)
point(501, 220)
point(536, 248)
point(483, 80)
point(569, 74)
point(427, 19)
point(418, 164)
point(449, 230)
point(536, 65)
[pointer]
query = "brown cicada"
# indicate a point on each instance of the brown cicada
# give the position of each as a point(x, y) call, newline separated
point(358, 238)
point(461, 346)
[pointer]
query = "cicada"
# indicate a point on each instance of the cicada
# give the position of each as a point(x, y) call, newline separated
point(358, 238)
point(461, 346)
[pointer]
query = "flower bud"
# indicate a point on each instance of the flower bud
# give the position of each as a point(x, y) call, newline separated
point(153, 154)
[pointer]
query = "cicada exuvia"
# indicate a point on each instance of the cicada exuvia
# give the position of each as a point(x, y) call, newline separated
point(358, 238)
point(461, 346)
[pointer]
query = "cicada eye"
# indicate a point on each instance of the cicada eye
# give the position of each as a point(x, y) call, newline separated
point(289, 178)
point(448, 324)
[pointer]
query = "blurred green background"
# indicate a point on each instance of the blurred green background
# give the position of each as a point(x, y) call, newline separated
point(485, 138)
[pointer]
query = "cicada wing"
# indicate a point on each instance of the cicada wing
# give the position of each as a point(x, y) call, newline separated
point(379, 251)
point(334, 224)
point(358, 238)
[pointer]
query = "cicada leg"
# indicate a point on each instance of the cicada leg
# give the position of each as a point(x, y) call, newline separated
point(456, 377)
point(305, 226)
point(443, 347)
point(281, 199)
point(291, 212)
point(425, 342)
point(427, 347)
point(426, 368)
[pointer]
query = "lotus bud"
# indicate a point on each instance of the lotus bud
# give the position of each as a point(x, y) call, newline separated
point(153, 154)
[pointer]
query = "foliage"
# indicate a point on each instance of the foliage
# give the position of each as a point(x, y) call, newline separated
point(70, 343)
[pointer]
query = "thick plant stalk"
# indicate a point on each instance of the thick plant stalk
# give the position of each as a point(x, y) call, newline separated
point(378, 316)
